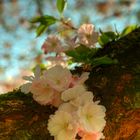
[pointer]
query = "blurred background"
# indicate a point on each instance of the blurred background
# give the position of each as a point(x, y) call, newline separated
point(20, 50)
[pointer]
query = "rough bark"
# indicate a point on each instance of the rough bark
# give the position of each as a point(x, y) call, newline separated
point(116, 86)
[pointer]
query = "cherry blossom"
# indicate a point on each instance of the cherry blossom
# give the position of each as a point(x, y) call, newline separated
point(60, 59)
point(67, 107)
point(76, 80)
point(56, 101)
point(60, 125)
point(25, 88)
point(52, 44)
point(90, 135)
point(42, 92)
point(58, 78)
point(77, 96)
point(92, 119)
point(73, 93)
point(82, 99)
point(87, 35)
point(58, 87)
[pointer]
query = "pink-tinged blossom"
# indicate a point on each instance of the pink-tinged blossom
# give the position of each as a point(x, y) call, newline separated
point(52, 44)
point(58, 78)
point(90, 135)
point(57, 60)
point(56, 101)
point(43, 93)
point(58, 87)
point(87, 35)
point(25, 88)
point(76, 80)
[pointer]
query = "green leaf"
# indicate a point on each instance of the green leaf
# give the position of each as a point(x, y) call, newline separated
point(86, 55)
point(104, 60)
point(111, 35)
point(82, 49)
point(46, 19)
point(81, 54)
point(42, 67)
point(35, 19)
point(128, 30)
point(45, 22)
point(103, 39)
point(107, 37)
point(74, 54)
point(61, 4)
point(40, 29)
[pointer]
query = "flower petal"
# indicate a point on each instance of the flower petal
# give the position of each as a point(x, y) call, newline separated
point(25, 88)
point(37, 72)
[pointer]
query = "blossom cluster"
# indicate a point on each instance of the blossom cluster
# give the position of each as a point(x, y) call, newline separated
point(77, 114)
point(84, 35)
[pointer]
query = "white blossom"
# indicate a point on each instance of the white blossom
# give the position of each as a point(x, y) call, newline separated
point(91, 117)
point(60, 125)
point(73, 92)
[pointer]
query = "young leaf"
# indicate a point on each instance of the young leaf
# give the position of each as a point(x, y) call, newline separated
point(40, 29)
point(104, 60)
point(107, 37)
point(103, 39)
point(41, 66)
point(44, 19)
point(45, 22)
point(81, 54)
point(61, 4)
point(128, 29)
point(35, 19)
point(111, 35)
point(73, 53)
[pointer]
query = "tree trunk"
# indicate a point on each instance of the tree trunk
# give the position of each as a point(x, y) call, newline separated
point(116, 86)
